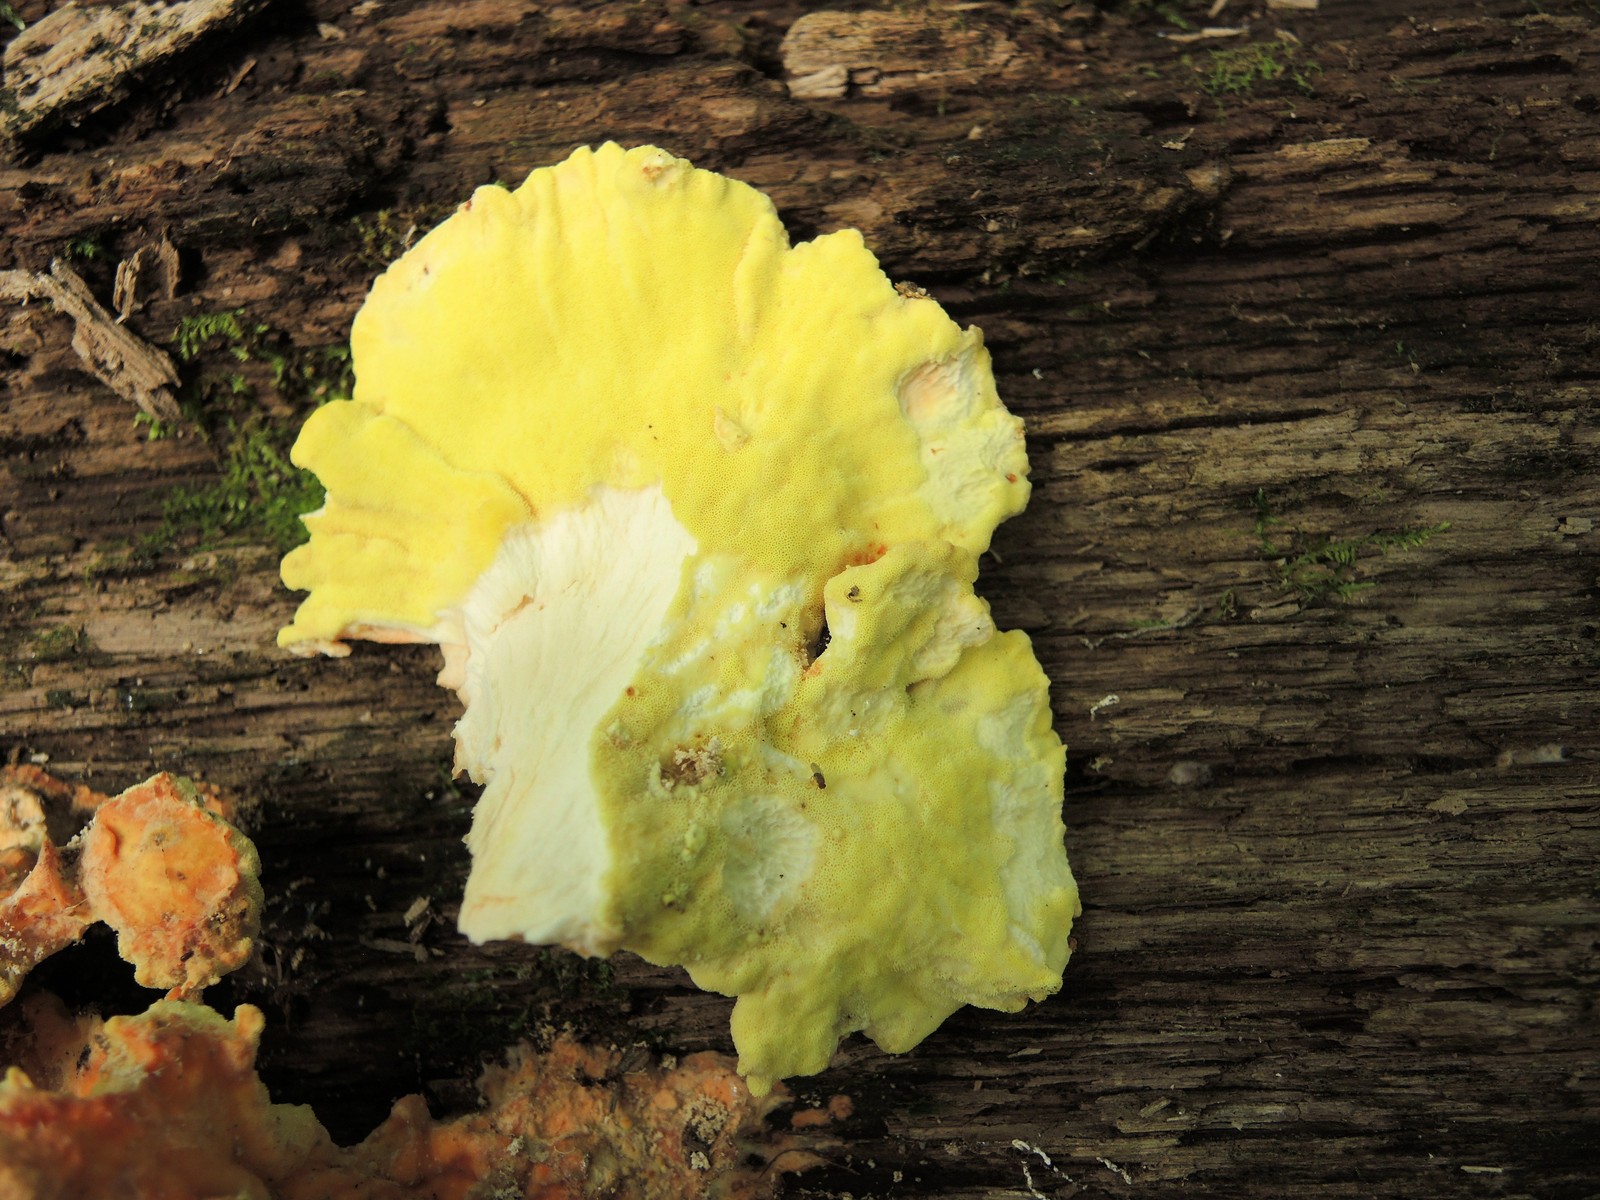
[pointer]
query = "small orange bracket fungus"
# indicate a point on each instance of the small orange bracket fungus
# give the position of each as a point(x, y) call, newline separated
point(695, 516)
point(174, 880)
point(168, 1103)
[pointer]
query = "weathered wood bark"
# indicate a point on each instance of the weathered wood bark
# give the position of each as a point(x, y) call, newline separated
point(1336, 843)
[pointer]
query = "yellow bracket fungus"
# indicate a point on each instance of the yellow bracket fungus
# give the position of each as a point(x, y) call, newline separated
point(695, 516)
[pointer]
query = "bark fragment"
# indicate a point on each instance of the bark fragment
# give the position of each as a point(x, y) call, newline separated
point(79, 60)
point(150, 272)
point(828, 55)
point(125, 363)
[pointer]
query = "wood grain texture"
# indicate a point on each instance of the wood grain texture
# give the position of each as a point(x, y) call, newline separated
point(1340, 896)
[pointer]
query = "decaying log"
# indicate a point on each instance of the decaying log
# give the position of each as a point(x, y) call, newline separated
point(1302, 323)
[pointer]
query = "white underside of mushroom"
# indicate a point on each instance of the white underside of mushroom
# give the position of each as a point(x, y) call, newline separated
point(551, 635)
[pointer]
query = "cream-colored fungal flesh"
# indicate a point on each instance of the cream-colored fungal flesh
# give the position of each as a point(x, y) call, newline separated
point(554, 630)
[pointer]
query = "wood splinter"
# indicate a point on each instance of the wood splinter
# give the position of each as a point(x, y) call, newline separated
point(125, 363)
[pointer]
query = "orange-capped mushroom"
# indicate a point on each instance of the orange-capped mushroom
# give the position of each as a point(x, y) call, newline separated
point(176, 882)
point(158, 863)
point(44, 913)
point(167, 1103)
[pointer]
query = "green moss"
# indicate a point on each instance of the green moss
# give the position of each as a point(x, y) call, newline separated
point(1320, 569)
point(59, 644)
point(260, 494)
point(155, 429)
point(1242, 70)
point(301, 375)
point(385, 235)
point(195, 334)
point(137, 700)
point(84, 249)
point(1165, 10)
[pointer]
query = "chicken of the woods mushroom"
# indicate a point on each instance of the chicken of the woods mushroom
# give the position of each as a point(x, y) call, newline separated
point(695, 516)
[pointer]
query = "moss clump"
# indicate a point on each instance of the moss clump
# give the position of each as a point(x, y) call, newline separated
point(89, 248)
point(1321, 569)
point(260, 494)
point(385, 235)
point(1241, 70)
point(1165, 10)
point(195, 334)
point(300, 375)
point(59, 644)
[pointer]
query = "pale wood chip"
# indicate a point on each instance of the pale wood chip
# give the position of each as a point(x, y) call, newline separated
point(151, 270)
